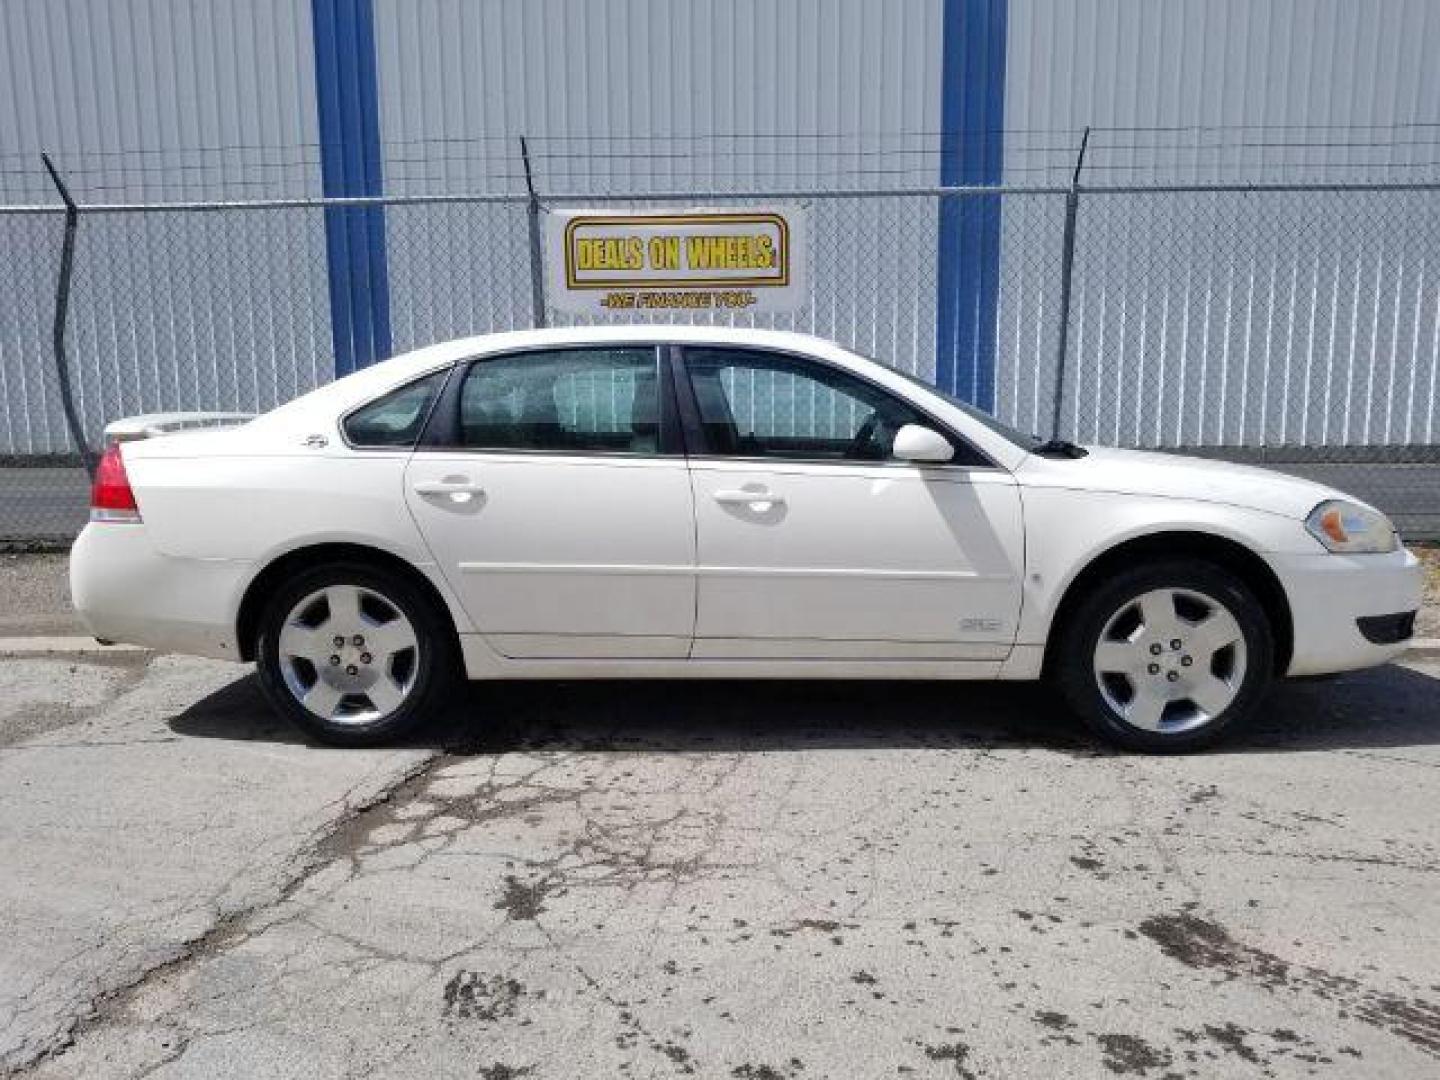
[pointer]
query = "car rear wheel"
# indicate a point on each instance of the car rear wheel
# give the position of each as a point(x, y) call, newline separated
point(1165, 657)
point(354, 656)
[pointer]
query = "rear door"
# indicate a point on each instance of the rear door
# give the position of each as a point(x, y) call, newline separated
point(559, 506)
point(813, 542)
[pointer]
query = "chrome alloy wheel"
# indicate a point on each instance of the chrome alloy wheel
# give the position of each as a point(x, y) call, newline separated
point(1170, 660)
point(348, 655)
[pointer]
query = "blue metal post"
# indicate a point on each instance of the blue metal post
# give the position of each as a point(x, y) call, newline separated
point(350, 165)
point(972, 120)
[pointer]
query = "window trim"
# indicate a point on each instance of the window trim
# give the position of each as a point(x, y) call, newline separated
point(409, 448)
point(698, 446)
point(442, 430)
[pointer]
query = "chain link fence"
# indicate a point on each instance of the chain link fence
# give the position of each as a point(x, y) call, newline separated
point(1296, 326)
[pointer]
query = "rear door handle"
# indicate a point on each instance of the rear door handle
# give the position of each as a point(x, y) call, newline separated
point(749, 498)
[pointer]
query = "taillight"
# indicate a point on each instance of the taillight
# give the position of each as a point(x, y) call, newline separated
point(111, 498)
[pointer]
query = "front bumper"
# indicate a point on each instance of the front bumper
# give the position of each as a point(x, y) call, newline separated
point(124, 590)
point(1387, 629)
point(1328, 596)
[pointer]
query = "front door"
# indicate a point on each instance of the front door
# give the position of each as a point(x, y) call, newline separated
point(814, 543)
point(560, 511)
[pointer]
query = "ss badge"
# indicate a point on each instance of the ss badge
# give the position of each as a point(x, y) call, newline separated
point(981, 626)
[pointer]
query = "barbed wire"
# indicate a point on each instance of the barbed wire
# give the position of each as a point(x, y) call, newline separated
point(1250, 152)
point(512, 139)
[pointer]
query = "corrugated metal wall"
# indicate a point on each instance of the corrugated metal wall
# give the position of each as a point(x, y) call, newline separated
point(631, 96)
point(158, 99)
point(634, 95)
point(1275, 73)
point(191, 99)
point(1175, 335)
point(152, 100)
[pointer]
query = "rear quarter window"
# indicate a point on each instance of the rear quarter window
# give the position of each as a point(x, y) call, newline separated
point(398, 418)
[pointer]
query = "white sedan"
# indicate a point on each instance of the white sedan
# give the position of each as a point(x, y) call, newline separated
point(689, 502)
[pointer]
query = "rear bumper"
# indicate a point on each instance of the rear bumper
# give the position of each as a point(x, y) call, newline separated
point(124, 590)
point(1330, 595)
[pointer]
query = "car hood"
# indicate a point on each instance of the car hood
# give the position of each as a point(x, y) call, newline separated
point(1139, 472)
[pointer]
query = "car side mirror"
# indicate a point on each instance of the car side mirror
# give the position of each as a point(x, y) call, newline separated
point(922, 445)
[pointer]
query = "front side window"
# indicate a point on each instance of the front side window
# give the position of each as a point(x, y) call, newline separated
point(758, 404)
point(594, 400)
point(395, 420)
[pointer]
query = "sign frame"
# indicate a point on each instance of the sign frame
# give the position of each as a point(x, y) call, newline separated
point(600, 290)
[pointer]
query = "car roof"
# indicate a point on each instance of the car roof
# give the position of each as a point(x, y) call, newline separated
point(660, 333)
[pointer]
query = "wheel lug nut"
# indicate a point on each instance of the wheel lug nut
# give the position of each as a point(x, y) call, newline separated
point(338, 642)
point(1154, 669)
point(1185, 661)
point(365, 658)
point(1172, 676)
point(1175, 644)
point(1155, 649)
point(334, 660)
point(352, 670)
point(357, 641)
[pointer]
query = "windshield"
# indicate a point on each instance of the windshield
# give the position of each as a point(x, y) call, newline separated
point(1005, 431)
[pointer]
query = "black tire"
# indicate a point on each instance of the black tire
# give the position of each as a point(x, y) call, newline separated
point(1092, 696)
point(429, 682)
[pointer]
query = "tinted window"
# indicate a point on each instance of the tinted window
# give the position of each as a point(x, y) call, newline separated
point(397, 418)
point(567, 400)
point(757, 404)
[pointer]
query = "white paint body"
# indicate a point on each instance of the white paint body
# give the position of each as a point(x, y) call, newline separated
point(559, 565)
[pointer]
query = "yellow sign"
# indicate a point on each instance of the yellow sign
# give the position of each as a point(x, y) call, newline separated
point(698, 260)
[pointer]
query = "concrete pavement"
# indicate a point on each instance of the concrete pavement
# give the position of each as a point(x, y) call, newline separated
point(735, 880)
point(36, 592)
point(125, 838)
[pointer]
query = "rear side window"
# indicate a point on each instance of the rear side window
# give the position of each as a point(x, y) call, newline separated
point(576, 401)
point(396, 419)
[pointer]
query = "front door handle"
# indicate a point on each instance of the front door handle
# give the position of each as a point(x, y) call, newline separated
point(457, 490)
point(760, 499)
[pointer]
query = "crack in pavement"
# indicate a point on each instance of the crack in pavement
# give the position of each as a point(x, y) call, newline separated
point(226, 930)
point(622, 855)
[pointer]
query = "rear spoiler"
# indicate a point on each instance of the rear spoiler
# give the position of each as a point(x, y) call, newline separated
point(153, 425)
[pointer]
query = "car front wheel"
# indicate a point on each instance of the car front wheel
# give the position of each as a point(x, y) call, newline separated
point(353, 655)
point(1166, 657)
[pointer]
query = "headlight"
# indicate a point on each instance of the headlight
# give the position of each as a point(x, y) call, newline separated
point(1350, 528)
